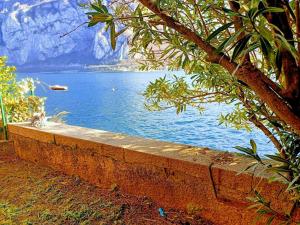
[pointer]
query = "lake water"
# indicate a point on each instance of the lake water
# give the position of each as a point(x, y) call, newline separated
point(92, 103)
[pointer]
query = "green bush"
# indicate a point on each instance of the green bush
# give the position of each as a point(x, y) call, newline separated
point(20, 104)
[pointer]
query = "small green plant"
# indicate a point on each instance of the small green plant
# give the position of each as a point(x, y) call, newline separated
point(285, 167)
point(8, 213)
point(46, 215)
point(59, 117)
point(193, 209)
point(79, 216)
point(27, 222)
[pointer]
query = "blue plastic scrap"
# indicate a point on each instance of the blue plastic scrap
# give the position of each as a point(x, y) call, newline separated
point(162, 212)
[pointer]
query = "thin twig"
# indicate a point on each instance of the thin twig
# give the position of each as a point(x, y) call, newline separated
point(65, 34)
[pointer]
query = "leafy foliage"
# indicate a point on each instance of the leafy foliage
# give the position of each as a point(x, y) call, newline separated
point(260, 36)
point(157, 46)
point(20, 105)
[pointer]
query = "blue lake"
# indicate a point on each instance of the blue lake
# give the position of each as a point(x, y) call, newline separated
point(92, 103)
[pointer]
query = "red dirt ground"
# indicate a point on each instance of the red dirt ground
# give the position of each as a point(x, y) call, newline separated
point(31, 194)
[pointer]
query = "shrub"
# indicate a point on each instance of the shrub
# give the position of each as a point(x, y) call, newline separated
point(19, 101)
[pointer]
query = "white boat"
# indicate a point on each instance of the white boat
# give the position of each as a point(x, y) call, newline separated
point(58, 88)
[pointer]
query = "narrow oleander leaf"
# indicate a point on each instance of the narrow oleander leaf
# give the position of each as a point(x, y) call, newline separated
point(101, 18)
point(254, 146)
point(104, 8)
point(277, 158)
point(92, 13)
point(287, 45)
point(254, 165)
point(279, 169)
point(218, 31)
point(265, 47)
point(273, 10)
point(223, 45)
point(248, 151)
point(113, 36)
point(241, 44)
point(251, 13)
point(291, 184)
point(91, 24)
point(267, 10)
point(97, 8)
point(229, 40)
point(270, 220)
point(278, 62)
point(230, 12)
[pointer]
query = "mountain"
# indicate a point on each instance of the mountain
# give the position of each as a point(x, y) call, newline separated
point(31, 35)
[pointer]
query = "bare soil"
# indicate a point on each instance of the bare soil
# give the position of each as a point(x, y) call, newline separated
point(31, 194)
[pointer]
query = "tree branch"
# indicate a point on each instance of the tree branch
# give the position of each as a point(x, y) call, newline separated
point(260, 125)
point(201, 18)
point(265, 130)
point(248, 74)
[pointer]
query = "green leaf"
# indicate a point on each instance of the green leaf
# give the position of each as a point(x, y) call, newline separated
point(267, 10)
point(97, 8)
point(135, 36)
point(140, 14)
point(263, 211)
point(279, 169)
point(254, 3)
point(253, 145)
point(92, 13)
point(100, 8)
point(287, 46)
point(229, 40)
point(91, 24)
point(277, 158)
point(248, 168)
point(278, 62)
point(270, 220)
point(265, 47)
point(101, 18)
point(251, 13)
point(248, 151)
point(113, 35)
point(217, 31)
point(105, 10)
point(273, 10)
point(251, 48)
point(230, 12)
point(292, 183)
point(241, 44)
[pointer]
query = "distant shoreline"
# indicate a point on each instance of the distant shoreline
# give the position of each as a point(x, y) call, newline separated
point(118, 67)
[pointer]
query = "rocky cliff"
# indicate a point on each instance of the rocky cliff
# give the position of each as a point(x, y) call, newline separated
point(31, 30)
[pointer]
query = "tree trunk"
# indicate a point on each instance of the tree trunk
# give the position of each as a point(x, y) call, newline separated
point(290, 70)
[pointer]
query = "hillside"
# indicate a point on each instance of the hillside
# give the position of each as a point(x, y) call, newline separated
point(31, 30)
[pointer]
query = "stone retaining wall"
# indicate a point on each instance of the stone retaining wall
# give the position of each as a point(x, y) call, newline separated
point(174, 175)
point(6, 148)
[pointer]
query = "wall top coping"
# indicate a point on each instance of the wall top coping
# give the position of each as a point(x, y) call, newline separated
point(194, 155)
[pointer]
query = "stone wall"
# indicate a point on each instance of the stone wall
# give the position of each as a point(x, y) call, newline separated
point(6, 148)
point(2, 136)
point(174, 175)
